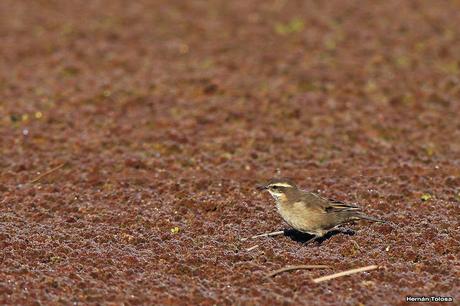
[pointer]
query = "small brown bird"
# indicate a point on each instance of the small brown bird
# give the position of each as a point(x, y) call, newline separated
point(308, 212)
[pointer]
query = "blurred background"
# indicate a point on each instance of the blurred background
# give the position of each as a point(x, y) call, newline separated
point(165, 114)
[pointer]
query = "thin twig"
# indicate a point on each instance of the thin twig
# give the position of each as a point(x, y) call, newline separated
point(344, 273)
point(356, 245)
point(264, 235)
point(252, 248)
point(46, 173)
point(301, 267)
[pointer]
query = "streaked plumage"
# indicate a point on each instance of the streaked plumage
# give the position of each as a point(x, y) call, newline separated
point(309, 212)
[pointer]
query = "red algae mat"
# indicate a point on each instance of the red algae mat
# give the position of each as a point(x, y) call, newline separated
point(158, 118)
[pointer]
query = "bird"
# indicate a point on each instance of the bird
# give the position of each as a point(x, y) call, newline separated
point(308, 212)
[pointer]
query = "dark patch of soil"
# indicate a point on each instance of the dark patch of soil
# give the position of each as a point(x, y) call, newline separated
point(167, 113)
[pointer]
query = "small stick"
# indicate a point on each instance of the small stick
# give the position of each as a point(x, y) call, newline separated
point(356, 245)
point(252, 248)
point(344, 273)
point(291, 268)
point(264, 235)
point(46, 173)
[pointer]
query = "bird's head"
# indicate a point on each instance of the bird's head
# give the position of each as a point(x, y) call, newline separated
point(279, 188)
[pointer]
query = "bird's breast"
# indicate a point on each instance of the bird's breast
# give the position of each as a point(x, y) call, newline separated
point(296, 215)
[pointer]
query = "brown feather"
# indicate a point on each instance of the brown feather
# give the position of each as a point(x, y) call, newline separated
point(311, 213)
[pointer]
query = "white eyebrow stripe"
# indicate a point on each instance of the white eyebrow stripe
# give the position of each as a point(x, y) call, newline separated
point(280, 185)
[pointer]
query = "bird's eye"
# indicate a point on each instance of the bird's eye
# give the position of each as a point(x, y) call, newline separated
point(275, 187)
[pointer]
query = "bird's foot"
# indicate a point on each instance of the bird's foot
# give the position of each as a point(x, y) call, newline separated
point(310, 241)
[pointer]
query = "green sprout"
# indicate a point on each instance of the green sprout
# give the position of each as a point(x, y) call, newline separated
point(425, 197)
point(293, 26)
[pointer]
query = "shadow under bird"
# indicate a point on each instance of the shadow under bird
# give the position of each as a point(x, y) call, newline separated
point(309, 212)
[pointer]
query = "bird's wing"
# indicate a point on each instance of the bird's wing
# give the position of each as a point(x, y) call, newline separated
point(330, 205)
point(338, 206)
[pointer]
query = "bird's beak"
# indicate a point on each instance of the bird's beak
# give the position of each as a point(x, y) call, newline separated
point(261, 187)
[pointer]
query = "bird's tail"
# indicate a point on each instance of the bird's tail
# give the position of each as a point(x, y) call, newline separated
point(365, 217)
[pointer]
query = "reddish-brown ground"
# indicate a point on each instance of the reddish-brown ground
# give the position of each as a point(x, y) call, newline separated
point(167, 113)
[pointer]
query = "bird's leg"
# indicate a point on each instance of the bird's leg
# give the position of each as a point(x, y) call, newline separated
point(313, 238)
point(264, 235)
point(318, 237)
